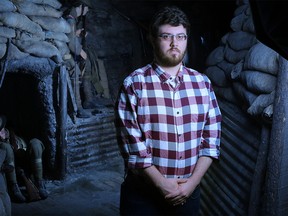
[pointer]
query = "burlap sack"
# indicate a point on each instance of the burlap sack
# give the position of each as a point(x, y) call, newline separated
point(226, 67)
point(32, 9)
point(3, 39)
point(226, 93)
point(216, 56)
point(24, 36)
point(52, 24)
point(62, 47)
point(243, 94)
point(236, 70)
point(7, 6)
point(248, 25)
point(267, 113)
point(7, 32)
point(3, 48)
point(241, 9)
point(237, 22)
point(217, 76)
point(15, 53)
point(223, 40)
point(262, 58)
point(234, 56)
point(241, 40)
point(38, 48)
point(258, 82)
point(56, 36)
point(53, 3)
point(260, 103)
point(22, 22)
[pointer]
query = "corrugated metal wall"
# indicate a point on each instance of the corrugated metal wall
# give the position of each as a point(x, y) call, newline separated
point(227, 184)
point(92, 142)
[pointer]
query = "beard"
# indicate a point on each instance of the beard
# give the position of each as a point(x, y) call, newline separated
point(167, 59)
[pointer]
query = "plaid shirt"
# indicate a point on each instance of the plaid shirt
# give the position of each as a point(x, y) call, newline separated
point(165, 126)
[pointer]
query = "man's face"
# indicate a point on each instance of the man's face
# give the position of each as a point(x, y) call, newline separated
point(169, 50)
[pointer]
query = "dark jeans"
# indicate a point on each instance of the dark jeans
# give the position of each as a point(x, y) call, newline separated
point(140, 198)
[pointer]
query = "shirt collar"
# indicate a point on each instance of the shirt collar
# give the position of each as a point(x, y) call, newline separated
point(163, 76)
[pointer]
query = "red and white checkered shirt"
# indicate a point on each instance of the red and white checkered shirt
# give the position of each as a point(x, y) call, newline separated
point(165, 126)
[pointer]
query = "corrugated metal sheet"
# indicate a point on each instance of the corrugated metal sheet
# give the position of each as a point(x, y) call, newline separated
point(227, 184)
point(92, 142)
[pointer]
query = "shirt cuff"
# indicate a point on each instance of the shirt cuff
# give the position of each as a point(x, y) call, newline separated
point(136, 162)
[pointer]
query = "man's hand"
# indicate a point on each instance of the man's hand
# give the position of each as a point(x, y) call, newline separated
point(184, 191)
point(177, 191)
point(170, 187)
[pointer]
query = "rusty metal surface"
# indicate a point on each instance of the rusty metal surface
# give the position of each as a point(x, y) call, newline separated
point(92, 142)
point(227, 185)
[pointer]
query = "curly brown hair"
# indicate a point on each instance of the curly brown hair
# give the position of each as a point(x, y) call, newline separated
point(171, 15)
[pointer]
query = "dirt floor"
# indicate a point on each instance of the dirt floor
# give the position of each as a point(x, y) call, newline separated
point(93, 192)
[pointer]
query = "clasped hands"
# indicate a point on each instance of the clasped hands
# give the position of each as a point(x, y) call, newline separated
point(177, 191)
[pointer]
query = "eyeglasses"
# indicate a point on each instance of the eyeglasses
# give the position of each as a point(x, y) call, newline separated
point(169, 37)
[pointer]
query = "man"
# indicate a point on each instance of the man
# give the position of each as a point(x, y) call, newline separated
point(15, 145)
point(168, 126)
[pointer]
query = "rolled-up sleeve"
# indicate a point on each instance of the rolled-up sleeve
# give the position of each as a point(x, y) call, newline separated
point(210, 145)
point(130, 137)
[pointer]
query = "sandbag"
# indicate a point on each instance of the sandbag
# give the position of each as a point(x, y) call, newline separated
point(248, 9)
point(15, 53)
point(246, 96)
point(241, 9)
point(241, 40)
point(258, 82)
point(62, 47)
point(226, 93)
point(267, 113)
point(217, 76)
point(56, 36)
point(224, 39)
point(216, 56)
point(7, 6)
point(262, 58)
point(260, 103)
point(3, 39)
point(226, 67)
point(32, 9)
point(52, 23)
point(38, 48)
point(53, 3)
point(3, 48)
point(22, 35)
point(248, 25)
point(236, 70)
point(233, 56)
point(7, 32)
point(20, 21)
point(237, 22)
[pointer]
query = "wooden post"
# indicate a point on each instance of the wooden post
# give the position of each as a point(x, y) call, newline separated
point(276, 188)
point(260, 172)
point(63, 121)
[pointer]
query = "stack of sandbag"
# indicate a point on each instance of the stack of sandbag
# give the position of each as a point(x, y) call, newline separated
point(33, 27)
point(242, 69)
